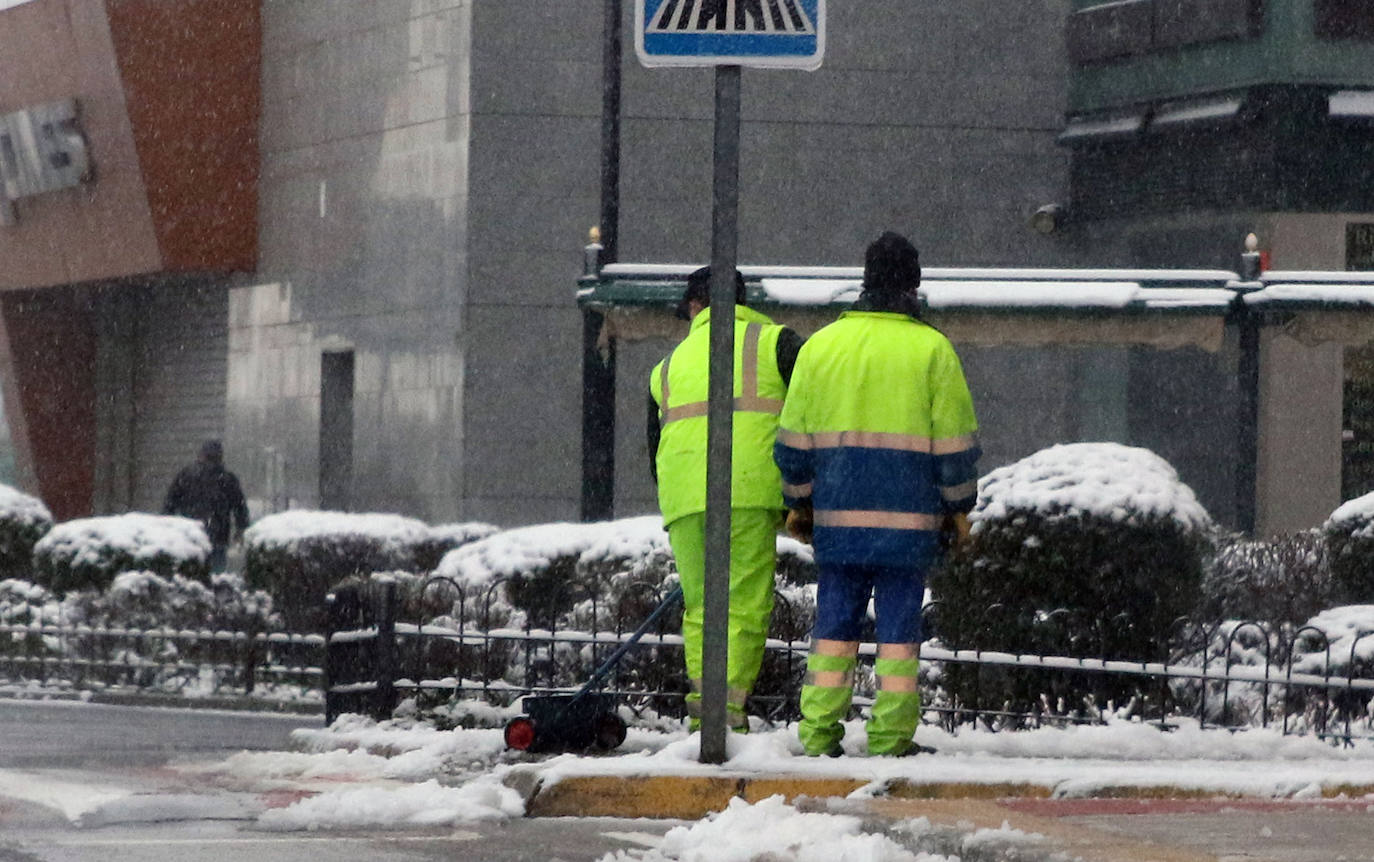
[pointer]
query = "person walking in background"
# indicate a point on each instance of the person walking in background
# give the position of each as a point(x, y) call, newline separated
point(878, 456)
point(212, 495)
point(678, 396)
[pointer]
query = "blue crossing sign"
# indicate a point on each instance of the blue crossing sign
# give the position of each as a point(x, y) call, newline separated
point(759, 33)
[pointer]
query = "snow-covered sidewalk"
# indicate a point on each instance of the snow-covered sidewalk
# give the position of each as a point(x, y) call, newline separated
point(401, 774)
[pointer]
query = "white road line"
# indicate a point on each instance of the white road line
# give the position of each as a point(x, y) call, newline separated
point(286, 839)
point(643, 839)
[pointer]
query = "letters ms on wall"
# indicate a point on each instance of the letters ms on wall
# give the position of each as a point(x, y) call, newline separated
point(42, 150)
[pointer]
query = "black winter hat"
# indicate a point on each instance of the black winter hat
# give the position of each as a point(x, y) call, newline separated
point(699, 290)
point(892, 264)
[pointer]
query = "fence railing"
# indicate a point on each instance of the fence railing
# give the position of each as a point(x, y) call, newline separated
point(482, 647)
point(196, 662)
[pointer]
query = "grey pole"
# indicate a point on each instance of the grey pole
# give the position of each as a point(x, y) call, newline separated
point(720, 414)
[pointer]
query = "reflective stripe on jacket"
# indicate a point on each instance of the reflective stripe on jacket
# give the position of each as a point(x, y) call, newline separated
point(680, 388)
point(878, 433)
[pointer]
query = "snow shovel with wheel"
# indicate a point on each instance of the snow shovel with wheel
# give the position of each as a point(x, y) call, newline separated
point(586, 719)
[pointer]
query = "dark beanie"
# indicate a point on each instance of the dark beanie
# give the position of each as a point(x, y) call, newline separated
point(212, 451)
point(892, 264)
point(699, 290)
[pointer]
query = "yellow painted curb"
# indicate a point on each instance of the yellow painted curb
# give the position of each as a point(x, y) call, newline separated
point(654, 796)
point(903, 789)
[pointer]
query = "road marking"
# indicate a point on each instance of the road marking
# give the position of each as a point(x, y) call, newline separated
point(459, 835)
point(643, 839)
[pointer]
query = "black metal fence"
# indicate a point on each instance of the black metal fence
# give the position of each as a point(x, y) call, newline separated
point(278, 664)
point(386, 644)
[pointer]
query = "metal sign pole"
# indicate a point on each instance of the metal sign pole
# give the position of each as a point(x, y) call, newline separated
point(720, 415)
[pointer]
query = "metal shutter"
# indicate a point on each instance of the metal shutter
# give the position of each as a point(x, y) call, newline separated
point(180, 384)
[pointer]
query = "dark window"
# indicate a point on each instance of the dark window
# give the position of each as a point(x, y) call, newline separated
point(336, 430)
point(1111, 30)
point(1189, 22)
point(1344, 19)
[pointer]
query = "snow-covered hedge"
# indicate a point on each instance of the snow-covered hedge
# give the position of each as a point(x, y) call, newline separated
point(88, 553)
point(600, 577)
point(145, 630)
point(1350, 538)
point(23, 521)
point(443, 538)
point(298, 556)
point(1086, 549)
point(1280, 581)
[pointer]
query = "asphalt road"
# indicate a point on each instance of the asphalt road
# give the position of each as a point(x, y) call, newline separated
point(52, 750)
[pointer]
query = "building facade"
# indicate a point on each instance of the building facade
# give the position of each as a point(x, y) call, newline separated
point(345, 234)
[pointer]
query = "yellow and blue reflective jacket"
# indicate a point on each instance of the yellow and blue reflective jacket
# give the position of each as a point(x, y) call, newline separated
point(878, 435)
point(678, 385)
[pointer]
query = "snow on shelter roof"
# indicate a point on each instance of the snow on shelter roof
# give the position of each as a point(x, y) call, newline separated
point(991, 306)
point(981, 288)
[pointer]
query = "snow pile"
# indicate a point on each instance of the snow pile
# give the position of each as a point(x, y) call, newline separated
point(426, 804)
point(89, 552)
point(531, 549)
point(773, 830)
point(1349, 632)
point(288, 531)
point(17, 506)
point(1355, 516)
point(1106, 480)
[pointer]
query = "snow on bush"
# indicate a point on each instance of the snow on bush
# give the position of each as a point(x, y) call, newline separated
point(298, 556)
point(1277, 581)
point(1104, 481)
point(598, 577)
point(23, 521)
point(1350, 538)
point(445, 537)
point(166, 620)
point(88, 553)
point(1086, 549)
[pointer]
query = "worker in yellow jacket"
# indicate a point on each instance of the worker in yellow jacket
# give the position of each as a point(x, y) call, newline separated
point(678, 396)
point(878, 457)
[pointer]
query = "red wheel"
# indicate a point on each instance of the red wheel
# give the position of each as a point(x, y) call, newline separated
point(520, 733)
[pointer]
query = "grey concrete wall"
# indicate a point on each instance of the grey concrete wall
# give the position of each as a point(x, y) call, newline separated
point(1299, 470)
point(935, 120)
point(430, 169)
point(363, 238)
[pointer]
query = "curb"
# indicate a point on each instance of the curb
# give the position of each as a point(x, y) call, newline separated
point(692, 797)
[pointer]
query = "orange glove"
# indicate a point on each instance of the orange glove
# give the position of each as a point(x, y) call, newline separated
point(954, 532)
point(800, 522)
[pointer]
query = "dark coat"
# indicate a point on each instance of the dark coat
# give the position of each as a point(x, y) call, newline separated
point(212, 495)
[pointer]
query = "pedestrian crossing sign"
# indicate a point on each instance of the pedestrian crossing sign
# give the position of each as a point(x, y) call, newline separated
point(759, 33)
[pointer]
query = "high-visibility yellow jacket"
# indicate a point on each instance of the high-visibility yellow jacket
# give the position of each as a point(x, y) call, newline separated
point(680, 388)
point(878, 434)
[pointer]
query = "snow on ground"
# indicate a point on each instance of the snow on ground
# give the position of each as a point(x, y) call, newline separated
point(405, 774)
point(771, 829)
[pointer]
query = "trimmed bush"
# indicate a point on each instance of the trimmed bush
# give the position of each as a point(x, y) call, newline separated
point(1086, 550)
point(1283, 581)
point(298, 556)
point(87, 553)
point(445, 537)
point(1350, 539)
point(23, 521)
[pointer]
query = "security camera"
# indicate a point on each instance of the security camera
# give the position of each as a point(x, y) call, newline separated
point(1048, 219)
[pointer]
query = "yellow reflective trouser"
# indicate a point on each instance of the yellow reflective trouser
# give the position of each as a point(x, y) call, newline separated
point(753, 561)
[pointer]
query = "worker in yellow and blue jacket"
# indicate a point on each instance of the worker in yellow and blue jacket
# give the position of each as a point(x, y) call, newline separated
point(678, 396)
point(878, 457)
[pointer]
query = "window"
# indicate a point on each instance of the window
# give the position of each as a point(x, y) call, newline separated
point(1344, 19)
point(1190, 22)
